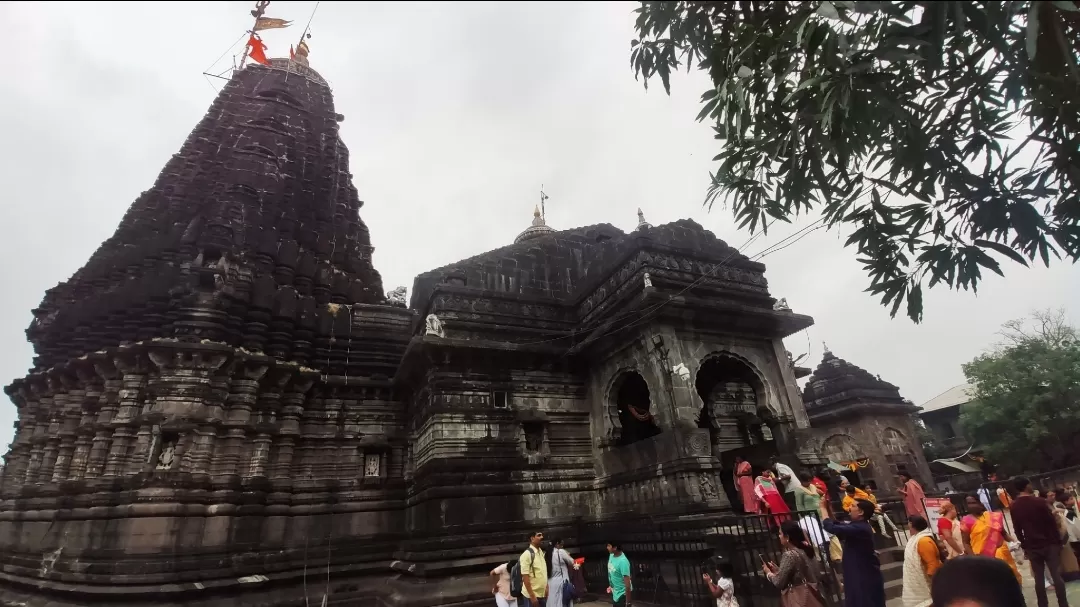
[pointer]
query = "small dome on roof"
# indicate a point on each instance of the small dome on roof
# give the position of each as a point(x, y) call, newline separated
point(536, 230)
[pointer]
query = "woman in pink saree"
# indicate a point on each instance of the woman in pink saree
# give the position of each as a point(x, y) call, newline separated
point(744, 484)
point(984, 534)
point(765, 488)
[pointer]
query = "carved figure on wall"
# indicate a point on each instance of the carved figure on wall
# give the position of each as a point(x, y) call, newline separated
point(371, 465)
point(681, 371)
point(168, 455)
point(648, 281)
point(397, 297)
point(434, 326)
point(708, 487)
point(782, 305)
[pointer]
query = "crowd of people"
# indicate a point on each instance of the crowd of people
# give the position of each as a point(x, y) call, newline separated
point(1044, 532)
point(824, 522)
point(550, 577)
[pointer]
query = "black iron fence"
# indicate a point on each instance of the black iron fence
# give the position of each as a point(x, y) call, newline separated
point(668, 556)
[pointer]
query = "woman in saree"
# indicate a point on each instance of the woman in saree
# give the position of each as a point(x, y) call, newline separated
point(744, 483)
point(984, 534)
point(766, 490)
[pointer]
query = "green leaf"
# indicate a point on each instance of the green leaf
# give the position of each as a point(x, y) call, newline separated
point(818, 113)
point(1004, 250)
point(915, 303)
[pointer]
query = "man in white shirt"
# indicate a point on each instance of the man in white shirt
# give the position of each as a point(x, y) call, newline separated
point(788, 478)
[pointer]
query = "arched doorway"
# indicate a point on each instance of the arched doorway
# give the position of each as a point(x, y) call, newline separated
point(633, 403)
point(732, 395)
point(731, 392)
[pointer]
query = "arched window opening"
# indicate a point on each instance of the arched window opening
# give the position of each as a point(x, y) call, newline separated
point(634, 405)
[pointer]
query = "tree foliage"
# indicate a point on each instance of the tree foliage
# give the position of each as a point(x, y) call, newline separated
point(1025, 413)
point(897, 119)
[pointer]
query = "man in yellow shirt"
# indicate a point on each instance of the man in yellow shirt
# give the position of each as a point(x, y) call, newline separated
point(534, 573)
point(854, 494)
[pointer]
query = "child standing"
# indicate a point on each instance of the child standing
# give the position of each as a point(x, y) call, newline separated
point(723, 590)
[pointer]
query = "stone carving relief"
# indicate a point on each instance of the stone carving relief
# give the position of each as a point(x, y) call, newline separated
point(397, 297)
point(371, 465)
point(648, 281)
point(681, 371)
point(699, 443)
point(665, 264)
point(167, 457)
point(708, 487)
point(782, 305)
point(433, 326)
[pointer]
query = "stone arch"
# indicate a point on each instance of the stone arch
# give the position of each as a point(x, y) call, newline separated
point(840, 448)
point(759, 383)
point(734, 397)
point(894, 442)
point(628, 388)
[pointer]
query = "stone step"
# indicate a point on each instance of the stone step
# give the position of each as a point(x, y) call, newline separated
point(894, 589)
point(891, 555)
point(892, 571)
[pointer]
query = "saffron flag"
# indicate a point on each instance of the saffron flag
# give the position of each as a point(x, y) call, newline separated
point(257, 50)
point(292, 53)
point(270, 23)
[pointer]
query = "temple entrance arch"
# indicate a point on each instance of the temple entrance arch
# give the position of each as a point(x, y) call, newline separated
point(733, 399)
point(632, 399)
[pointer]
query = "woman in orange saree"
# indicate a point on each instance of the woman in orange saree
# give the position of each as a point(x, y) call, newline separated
point(984, 534)
point(744, 483)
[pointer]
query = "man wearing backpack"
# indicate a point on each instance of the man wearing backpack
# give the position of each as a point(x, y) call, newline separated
point(534, 572)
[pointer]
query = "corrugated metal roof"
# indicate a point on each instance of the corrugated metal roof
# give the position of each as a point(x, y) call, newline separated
point(956, 395)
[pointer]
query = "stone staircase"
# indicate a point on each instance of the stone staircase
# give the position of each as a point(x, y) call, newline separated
point(892, 568)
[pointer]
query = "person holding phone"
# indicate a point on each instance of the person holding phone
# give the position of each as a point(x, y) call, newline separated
point(723, 588)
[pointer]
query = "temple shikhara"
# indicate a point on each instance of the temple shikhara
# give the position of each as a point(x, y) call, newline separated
point(227, 408)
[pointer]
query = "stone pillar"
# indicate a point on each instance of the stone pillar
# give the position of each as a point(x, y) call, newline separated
point(292, 398)
point(109, 405)
point(50, 442)
point(16, 461)
point(141, 460)
point(679, 392)
point(202, 445)
point(260, 456)
point(116, 461)
point(790, 403)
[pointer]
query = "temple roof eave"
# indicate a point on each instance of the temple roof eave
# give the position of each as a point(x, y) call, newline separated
point(848, 410)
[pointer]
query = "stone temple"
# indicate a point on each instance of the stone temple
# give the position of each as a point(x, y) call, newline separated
point(226, 409)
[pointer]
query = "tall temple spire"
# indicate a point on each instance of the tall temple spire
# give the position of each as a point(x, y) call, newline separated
point(260, 191)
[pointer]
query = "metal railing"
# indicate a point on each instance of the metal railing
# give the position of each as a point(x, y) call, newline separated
point(668, 557)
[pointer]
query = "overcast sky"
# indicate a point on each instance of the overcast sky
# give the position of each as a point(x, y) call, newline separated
point(455, 114)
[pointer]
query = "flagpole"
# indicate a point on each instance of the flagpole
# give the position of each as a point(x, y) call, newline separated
point(308, 26)
point(260, 8)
